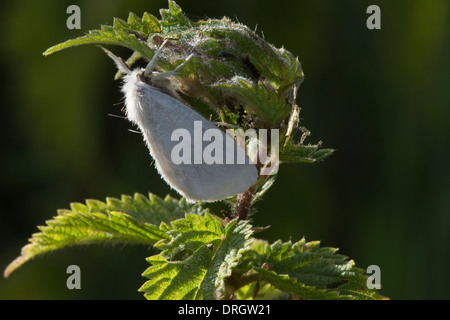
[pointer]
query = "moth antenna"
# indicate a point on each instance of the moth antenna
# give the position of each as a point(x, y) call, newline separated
point(121, 65)
point(152, 63)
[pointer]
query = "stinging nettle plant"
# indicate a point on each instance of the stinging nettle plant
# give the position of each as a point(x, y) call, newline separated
point(251, 84)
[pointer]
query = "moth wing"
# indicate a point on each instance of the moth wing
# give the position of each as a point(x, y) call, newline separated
point(158, 115)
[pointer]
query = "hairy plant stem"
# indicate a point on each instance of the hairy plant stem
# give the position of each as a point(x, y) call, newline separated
point(243, 204)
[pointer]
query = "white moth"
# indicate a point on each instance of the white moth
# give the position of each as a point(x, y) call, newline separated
point(158, 115)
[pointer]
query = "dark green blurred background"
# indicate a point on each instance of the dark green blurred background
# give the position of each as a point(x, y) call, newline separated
point(380, 97)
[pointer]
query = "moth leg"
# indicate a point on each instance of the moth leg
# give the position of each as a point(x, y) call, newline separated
point(152, 64)
point(172, 72)
point(120, 64)
point(305, 134)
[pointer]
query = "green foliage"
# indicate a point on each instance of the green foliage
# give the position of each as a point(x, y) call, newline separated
point(307, 271)
point(202, 256)
point(198, 258)
point(122, 33)
point(304, 153)
point(252, 84)
point(261, 104)
point(128, 220)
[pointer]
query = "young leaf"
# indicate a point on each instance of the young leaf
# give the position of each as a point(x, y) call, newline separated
point(303, 153)
point(197, 259)
point(131, 34)
point(129, 220)
point(174, 17)
point(258, 101)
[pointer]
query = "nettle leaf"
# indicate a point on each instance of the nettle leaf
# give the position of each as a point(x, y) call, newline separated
point(132, 34)
point(174, 18)
point(128, 220)
point(195, 261)
point(258, 101)
point(293, 153)
point(151, 209)
point(265, 186)
point(306, 270)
